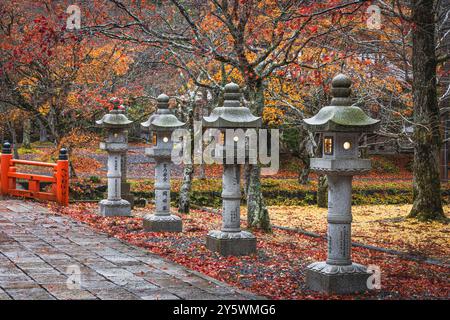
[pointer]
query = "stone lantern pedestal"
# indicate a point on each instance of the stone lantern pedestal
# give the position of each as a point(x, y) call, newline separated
point(230, 239)
point(341, 125)
point(125, 186)
point(115, 124)
point(163, 123)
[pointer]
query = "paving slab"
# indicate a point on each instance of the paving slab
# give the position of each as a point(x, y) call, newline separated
point(4, 295)
point(29, 294)
point(46, 256)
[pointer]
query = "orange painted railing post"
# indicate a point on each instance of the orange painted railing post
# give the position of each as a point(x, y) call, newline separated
point(12, 181)
point(5, 162)
point(62, 178)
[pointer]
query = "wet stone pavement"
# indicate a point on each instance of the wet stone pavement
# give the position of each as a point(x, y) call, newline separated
point(47, 256)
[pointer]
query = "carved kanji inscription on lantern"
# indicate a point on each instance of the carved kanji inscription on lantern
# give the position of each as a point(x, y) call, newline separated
point(162, 123)
point(341, 124)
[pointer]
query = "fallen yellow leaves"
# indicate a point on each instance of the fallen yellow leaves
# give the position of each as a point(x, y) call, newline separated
point(379, 225)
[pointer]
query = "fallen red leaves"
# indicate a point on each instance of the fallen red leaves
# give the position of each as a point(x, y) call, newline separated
point(277, 271)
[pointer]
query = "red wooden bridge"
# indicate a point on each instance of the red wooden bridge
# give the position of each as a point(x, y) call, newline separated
point(59, 180)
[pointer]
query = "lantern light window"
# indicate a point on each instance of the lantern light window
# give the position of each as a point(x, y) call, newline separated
point(328, 145)
point(347, 145)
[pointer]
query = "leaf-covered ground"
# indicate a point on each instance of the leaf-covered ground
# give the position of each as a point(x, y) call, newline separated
point(277, 270)
point(385, 226)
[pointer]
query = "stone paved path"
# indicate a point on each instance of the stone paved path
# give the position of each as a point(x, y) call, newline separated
point(40, 251)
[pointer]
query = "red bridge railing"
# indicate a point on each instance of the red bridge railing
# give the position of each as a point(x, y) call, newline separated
point(59, 181)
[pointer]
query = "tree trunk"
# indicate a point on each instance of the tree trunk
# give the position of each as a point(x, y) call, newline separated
point(246, 178)
point(257, 213)
point(303, 176)
point(201, 171)
point(26, 141)
point(53, 125)
point(307, 149)
point(201, 108)
point(43, 137)
point(184, 203)
point(322, 192)
point(72, 172)
point(13, 133)
point(427, 203)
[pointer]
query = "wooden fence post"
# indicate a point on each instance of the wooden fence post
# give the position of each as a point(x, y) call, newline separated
point(5, 162)
point(62, 178)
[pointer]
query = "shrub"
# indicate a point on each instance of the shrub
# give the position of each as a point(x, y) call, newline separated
point(94, 179)
point(383, 165)
point(277, 192)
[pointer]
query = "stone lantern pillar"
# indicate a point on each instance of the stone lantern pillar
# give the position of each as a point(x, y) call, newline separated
point(341, 125)
point(162, 124)
point(115, 124)
point(231, 240)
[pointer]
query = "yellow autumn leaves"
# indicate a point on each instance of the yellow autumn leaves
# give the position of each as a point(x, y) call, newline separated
point(384, 226)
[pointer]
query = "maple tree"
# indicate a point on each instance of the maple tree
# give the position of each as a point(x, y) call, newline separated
point(60, 78)
point(282, 53)
point(252, 39)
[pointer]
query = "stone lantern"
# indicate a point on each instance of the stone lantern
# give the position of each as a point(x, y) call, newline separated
point(115, 124)
point(231, 240)
point(125, 186)
point(341, 125)
point(162, 124)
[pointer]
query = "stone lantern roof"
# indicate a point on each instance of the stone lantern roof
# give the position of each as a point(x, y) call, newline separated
point(115, 119)
point(232, 114)
point(341, 115)
point(163, 119)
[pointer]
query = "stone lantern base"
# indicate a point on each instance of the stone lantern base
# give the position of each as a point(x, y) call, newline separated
point(333, 279)
point(241, 243)
point(159, 223)
point(115, 208)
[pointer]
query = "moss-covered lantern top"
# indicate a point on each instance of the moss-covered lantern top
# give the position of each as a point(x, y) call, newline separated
point(341, 116)
point(232, 114)
point(115, 119)
point(163, 119)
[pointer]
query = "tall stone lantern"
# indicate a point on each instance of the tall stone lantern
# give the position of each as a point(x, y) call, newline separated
point(231, 240)
point(341, 125)
point(115, 124)
point(162, 124)
point(125, 186)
